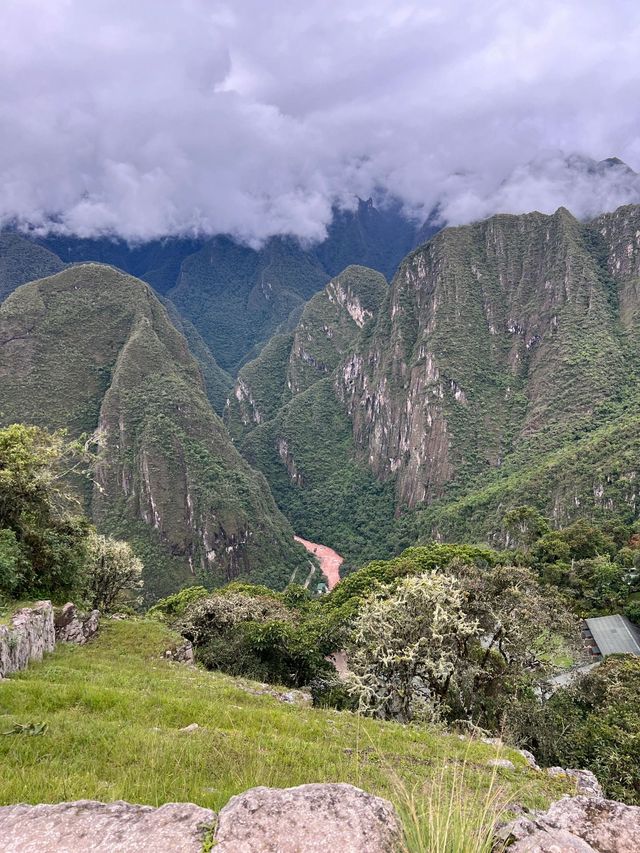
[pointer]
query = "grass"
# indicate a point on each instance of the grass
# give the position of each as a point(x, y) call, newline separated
point(451, 814)
point(114, 709)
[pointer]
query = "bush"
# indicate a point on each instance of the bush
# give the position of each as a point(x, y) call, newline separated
point(258, 636)
point(170, 608)
point(113, 574)
point(595, 724)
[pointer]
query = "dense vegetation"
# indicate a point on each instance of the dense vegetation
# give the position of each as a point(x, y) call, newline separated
point(22, 261)
point(458, 634)
point(595, 723)
point(47, 547)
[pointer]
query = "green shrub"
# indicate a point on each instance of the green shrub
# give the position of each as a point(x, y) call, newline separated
point(173, 606)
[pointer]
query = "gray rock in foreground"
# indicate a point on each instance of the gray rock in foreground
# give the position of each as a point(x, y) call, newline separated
point(89, 827)
point(307, 819)
point(578, 824)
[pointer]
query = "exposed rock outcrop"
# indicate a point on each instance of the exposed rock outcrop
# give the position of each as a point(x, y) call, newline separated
point(580, 824)
point(90, 827)
point(30, 634)
point(586, 783)
point(306, 819)
point(182, 653)
point(72, 627)
point(309, 818)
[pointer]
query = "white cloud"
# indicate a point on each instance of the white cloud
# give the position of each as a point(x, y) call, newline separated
point(249, 117)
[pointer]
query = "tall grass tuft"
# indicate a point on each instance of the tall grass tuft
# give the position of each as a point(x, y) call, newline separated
point(451, 812)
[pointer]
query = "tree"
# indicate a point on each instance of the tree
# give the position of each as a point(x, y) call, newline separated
point(407, 647)
point(524, 525)
point(43, 533)
point(114, 573)
point(457, 644)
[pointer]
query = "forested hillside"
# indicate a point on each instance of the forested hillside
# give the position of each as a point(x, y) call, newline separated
point(93, 351)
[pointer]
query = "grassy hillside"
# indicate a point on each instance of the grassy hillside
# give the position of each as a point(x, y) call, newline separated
point(114, 709)
point(93, 351)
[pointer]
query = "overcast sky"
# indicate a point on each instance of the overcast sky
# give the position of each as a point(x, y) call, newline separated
point(253, 117)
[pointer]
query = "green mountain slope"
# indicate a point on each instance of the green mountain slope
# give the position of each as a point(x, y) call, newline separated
point(218, 382)
point(286, 418)
point(501, 368)
point(22, 261)
point(236, 297)
point(93, 350)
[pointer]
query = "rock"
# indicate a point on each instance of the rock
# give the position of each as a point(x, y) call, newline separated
point(543, 842)
point(182, 653)
point(30, 634)
point(73, 628)
point(586, 783)
point(89, 827)
point(530, 758)
point(501, 762)
point(192, 727)
point(307, 819)
point(580, 824)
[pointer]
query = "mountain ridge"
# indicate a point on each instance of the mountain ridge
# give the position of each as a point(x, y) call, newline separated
point(96, 353)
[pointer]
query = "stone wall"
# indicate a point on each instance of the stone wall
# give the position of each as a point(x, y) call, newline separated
point(30, 634)
point(35, 630)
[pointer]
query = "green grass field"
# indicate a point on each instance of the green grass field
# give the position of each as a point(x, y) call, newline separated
point(114, 709)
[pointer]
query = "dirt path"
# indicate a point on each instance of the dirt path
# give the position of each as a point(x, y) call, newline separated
point(330, 560)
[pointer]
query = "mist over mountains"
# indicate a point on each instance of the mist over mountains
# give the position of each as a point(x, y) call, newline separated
point(209, 118)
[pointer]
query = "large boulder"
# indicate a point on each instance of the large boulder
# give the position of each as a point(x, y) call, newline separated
point(71, 627)
point(89, 827)
point(580, 824)
point(308, 819)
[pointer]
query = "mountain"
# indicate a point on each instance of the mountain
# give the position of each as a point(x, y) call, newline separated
point(22, 261)
point(156, 262)
point(286, 418)
point(233, 296)
point(236, 297)
point(500, 368)
point(368, 236)
point(93, 351)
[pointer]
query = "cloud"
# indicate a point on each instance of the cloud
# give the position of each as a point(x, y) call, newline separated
point(254, 118)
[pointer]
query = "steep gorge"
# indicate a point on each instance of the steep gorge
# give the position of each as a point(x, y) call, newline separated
point(504, 356)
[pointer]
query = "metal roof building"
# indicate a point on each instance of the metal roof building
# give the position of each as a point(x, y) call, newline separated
point(614, 635)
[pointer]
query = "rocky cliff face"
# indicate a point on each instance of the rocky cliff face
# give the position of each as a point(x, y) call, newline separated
point(500, 368)
point(292, 363)
point(92, 350)
point(490, 333)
